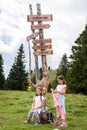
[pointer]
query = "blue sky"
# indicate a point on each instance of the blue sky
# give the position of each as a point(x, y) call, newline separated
point(69, 19)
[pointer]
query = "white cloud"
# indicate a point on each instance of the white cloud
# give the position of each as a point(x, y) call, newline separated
point(5, 48)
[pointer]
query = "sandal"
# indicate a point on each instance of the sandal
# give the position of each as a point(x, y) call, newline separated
point(56, 122)
point(63, 125)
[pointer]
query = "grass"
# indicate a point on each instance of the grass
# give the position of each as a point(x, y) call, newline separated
point(14, 106)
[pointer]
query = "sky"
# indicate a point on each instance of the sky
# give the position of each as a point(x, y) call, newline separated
point(69, 19)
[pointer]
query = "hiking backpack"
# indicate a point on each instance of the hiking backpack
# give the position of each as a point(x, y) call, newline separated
point(46, 117)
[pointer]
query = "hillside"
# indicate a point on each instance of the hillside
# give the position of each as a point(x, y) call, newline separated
point(14, 106)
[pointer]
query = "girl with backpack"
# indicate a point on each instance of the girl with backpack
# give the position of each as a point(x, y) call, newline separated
point(37, 107)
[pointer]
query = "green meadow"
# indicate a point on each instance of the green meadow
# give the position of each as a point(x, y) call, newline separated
point(14, 106)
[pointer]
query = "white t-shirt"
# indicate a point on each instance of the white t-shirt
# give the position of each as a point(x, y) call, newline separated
point(60, 87)
point(38, 100)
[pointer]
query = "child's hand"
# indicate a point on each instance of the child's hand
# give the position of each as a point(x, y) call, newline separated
point(54, 91)
point(32, 108)
point(51, 89)
point(35, 108)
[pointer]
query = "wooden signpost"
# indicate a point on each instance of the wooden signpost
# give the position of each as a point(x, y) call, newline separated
point(45, 52)
point(42, 26)
point(42, 47)
point(42, 41)
point(32, 36)
point(36, 18)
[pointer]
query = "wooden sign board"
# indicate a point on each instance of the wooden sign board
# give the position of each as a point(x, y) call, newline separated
point(42, 26)
point(46, 52)
point(36, 18)
point(49, 46)
point(42, 41)
point(32, 36)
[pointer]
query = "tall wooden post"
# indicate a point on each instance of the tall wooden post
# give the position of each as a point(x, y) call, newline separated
point(42, 47)
point(36, 57)
point(41, 36)
point(29, 77)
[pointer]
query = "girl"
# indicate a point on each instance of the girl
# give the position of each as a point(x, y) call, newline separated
point(60, 91)
point(37, 107)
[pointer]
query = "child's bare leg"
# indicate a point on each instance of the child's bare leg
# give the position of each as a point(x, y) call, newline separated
point(56, 122)
point(64, 120)
point(58, 113)
point(29, 116)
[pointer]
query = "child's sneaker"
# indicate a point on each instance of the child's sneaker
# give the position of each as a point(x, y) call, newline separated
point(63, 125)
point(56, 122)
point(37, 123)
point(26, 122)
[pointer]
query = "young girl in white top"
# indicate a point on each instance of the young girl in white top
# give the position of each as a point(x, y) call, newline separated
point(61, 90)
point(37, 107)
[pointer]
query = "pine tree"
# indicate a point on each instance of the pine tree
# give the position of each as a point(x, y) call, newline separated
point(2, 77)
point(63, 66)
point(17, 78)
point(79, 64)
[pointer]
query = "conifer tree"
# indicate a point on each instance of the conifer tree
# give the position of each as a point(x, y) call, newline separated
point(2, 77)
point(63, 66)
point(17, 78)
point(78, 68)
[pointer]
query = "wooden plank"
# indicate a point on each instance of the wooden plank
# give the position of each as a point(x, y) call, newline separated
point(36, 18)
point(42, 26)
point(38, 47)
point(42, 41)
point(32, 36)
point(46, 52)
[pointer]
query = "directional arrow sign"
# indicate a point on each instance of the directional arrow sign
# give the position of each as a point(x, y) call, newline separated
point(42, 41)
point(36, 18)
point(32, 36)
point(42, 26)
point(46, 52)
point(38, 47)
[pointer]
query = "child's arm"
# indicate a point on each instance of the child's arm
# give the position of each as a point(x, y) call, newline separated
point(33, 104)
point(54, 91)
point(41, 105)
point(63, 91)
point(60, 92)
